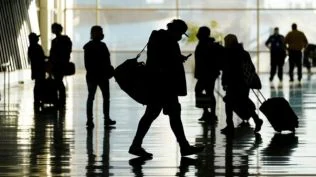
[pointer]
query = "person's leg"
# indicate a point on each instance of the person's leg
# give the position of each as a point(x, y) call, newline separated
point(280, 68)
point(257, 121)
point(229, 115)
point(61, 89)
point(199, 88)
point(178, 130)
point(92, 87)
point(298, 63)
point(105, 89)
point(210, 92)
point(273, 65)
point(291, 64)
point(151, 113)
point(37, 94)
point(229, 112)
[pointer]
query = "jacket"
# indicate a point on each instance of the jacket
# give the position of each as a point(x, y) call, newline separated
point(296, 40)
point(166, 74)
point(97, 60)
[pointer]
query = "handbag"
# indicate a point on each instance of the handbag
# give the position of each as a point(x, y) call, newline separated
point(69, 69)
point(131, 77)
point(251, 78)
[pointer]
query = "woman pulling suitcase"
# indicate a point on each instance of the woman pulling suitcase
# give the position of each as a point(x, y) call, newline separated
point(237, 90)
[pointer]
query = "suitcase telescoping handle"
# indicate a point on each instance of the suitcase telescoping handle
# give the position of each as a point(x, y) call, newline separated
point(264, 99)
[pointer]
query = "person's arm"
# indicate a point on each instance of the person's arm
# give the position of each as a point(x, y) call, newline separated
point(305, 40)
point(268, 42)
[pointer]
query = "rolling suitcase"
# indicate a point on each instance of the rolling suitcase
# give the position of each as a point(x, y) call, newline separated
point(279, 113)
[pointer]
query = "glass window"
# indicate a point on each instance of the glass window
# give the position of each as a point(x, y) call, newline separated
point(130, 30)
point(223, 4)
point(81, 3)
point(284, 20)
point(138, 4)
point(78, 24)
point(241, 23)
point(287, 4)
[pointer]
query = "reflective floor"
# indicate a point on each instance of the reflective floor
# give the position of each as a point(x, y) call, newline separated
point(56, 143)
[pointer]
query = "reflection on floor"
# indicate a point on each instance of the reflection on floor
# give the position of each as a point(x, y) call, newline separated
point(58, 144)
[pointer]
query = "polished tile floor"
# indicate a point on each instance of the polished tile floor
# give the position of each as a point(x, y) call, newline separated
point(58, 144)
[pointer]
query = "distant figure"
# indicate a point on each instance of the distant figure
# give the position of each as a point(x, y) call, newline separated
point(277, 48)
point(237, 92)
point(37, 57)
point(207, 69)
point(309, 57)
point(99, 71)
point(60, 51)
point(296, 41)
point(166, 82)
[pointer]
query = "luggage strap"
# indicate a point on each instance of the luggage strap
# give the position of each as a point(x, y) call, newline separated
point(264, 99)
point(138, 55)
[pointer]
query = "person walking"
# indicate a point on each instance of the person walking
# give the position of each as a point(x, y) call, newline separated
point(276, 44)
point(237, 91)
point(296, 41)
point(207, 70)
point(98, 72)
point(166, 79)
point(59, 56)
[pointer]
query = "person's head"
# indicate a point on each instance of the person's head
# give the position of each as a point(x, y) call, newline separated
point(230, 40)
point(294, 26)
point(203, 33)
point(57, 28)
point(33, 38)
point(177, 28)
point(96, 33)
point(276, 30)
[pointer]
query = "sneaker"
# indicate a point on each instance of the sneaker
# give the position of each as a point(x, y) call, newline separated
point(139, 151)
point(108, 122)
point(189, 150)
point(258, 125)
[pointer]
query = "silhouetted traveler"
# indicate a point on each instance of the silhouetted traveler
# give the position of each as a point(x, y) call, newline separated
point(207, 69)
point(237, 92)
point(37, 57)
point(99, 71)
point(60, 51)
point(309, 58)
point(166, 83)
point(296, 41)
point(277, 48)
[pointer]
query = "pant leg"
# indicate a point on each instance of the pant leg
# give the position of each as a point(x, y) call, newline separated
point(151, 113)
point(61, 88)
point(199, 87)
point(210, 93)
point(273, 65)
point(176, 123)
point(37, 91)
point(92, 88)
point(229, 115)
point(298, 63)
point(104, 86)
point(291, 63)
